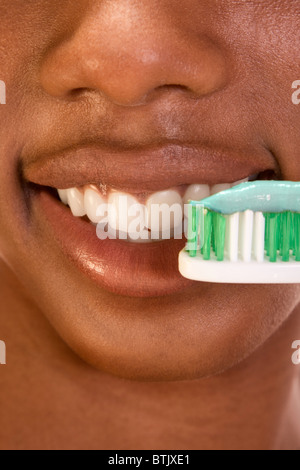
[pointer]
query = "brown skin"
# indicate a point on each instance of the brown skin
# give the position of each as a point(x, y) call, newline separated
point(210, 366)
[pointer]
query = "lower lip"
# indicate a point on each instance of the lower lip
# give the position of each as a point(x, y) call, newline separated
point(123, 268)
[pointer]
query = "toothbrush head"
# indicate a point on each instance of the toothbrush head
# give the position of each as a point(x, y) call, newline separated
point(245, 235)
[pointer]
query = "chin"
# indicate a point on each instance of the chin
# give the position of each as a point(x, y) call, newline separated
point(193, 335)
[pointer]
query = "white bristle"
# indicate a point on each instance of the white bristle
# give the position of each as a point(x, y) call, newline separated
point(232, 237)
point(259, 237)
point(246, 235)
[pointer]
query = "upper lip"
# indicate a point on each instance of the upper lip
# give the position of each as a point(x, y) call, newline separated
point(145, 169)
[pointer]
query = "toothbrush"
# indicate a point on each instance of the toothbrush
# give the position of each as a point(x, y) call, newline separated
point(249, 234)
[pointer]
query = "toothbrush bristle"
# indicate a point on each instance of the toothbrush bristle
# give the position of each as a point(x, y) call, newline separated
point(247, 235)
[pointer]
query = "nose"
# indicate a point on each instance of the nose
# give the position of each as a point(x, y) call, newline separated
point(127, 50)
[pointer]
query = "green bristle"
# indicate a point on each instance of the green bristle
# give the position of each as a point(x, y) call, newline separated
point(193, 230)
point(273, 234)
point(216, 217)
point(213, 231)
point(282, 235)
point(206, 249)
point(267, 233)
point(279, 234)
point(220, 231)
point(278, 240)
point(293, 233)
point(285, 238)
point(297, 235)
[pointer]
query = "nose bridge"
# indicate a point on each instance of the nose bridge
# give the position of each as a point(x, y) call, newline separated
point(126, 49)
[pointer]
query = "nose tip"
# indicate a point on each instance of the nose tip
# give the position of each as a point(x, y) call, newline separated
point(129, 58)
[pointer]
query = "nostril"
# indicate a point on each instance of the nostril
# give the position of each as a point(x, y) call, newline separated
point(174, 88)
point(78, 93)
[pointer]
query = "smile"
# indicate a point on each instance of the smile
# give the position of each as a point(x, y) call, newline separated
point(128, 178)
point(138, 218)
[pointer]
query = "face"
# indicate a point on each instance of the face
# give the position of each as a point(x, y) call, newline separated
point(142, 96)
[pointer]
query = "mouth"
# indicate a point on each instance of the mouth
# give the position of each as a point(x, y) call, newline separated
point(67, 190)
point(142, 217)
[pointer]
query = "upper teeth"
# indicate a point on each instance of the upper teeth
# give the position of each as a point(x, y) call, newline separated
point(87, 200)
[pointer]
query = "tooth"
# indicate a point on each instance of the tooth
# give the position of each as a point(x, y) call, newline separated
point(63, 194)
point(92, 201)
point(160, 219)
point(245, 180)
point(126, 215)
point(217, 188)
point(76, 203)
point(196, 192)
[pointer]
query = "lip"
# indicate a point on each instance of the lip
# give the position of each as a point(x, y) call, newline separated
point(123, 268)
point(144, 170)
